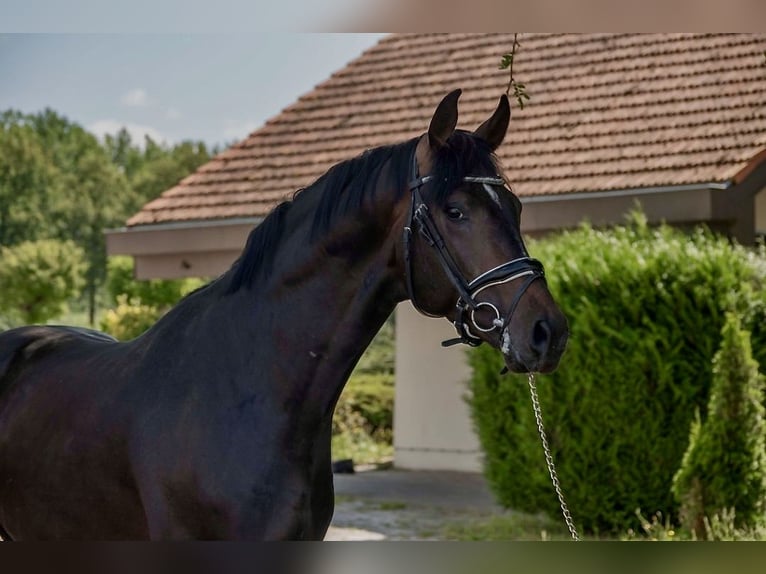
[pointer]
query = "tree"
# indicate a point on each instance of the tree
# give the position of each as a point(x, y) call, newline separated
point(57, 181)
point(26, 179)
point(37, 278)
point(155, 167)
point(724, 466)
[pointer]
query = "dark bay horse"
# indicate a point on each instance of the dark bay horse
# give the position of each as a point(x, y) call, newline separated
point(215, 423)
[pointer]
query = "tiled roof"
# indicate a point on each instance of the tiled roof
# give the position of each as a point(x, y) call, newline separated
point(608, 111)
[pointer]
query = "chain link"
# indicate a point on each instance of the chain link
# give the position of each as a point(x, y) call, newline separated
point(549, 458)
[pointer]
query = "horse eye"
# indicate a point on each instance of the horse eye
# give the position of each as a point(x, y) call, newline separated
point(454, 213)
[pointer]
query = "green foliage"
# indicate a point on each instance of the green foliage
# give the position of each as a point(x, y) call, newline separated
point(154, 168)
point(26, 176)
point(379, 356)
point(366, 404)
point(509, 525)
point(360, 447)
point(57, 181)
point(129, 318)
point(506, 63)
point(37, 278)
point(139, 303)
point(160, 293)
point(645, 309)
point(724, 467)
point(719, 527)
point(363, 418)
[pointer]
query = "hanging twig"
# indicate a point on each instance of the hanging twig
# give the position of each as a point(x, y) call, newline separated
point(506, 63)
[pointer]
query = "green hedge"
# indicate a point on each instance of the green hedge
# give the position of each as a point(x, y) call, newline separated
point(645, 308)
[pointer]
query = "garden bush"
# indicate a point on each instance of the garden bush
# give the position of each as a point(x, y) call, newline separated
point(724, 468)
point(645, 309)
point(367, 402)
point(138, 303)
point(160, 293)
point(129, 318)
point(363, 420)
point(37, 279)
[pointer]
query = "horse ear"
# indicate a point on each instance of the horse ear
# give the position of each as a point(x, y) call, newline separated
point(444, 121)
point(493, 130)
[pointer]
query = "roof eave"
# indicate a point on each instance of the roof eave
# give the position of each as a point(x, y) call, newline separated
point(628, 192)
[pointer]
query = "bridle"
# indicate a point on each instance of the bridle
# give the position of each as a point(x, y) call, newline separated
point(467, 304)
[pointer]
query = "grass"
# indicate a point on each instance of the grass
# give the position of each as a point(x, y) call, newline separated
point(400, 520)
point(521, 526)
point(392, 505)
point(506, 526)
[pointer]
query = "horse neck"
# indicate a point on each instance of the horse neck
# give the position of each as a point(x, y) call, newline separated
point(332, 298)
point(301, 328)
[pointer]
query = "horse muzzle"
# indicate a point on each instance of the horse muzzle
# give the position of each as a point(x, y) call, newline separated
point(537, 348)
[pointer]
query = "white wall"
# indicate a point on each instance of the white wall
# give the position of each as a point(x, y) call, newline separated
point(432, 426)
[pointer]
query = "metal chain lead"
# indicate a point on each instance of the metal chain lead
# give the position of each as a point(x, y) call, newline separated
point(549, 458)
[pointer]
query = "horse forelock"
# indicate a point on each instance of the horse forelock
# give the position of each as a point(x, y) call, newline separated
point(463, 155)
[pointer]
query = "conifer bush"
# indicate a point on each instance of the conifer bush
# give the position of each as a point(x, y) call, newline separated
point(724, 467)
point(645, 308)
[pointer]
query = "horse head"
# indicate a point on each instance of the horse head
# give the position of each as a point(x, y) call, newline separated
point(464, 256)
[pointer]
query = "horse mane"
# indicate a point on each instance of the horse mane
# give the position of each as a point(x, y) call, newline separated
point(344, 188)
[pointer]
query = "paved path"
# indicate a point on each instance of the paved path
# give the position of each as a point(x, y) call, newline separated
point(404, 505)
point(439, 488)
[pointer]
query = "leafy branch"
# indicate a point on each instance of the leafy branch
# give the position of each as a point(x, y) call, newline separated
point(506, 63)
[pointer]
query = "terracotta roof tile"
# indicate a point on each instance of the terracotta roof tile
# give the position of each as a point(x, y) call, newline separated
point(608, 111)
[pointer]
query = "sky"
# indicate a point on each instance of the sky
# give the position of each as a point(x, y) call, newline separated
point(212, 87)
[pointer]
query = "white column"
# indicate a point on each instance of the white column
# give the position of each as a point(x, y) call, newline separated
point(432, 425)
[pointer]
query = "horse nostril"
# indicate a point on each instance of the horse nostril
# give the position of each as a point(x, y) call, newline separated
point(541, 337)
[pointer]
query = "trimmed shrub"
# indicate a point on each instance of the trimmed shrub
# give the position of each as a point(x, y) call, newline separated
point(38, 278)
point(645, 309)
point(363, 419)
point(129, 319)
point(139, 303)
point(367, 403)
point(160, 293)
point(724, 466)
point(379, 356)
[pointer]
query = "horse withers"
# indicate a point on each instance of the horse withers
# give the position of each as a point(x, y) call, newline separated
point(216, 422)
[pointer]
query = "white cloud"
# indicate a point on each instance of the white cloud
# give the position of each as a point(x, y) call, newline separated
point(239, 130)
point(137, 132)
point(173, 113)
point(135, 98)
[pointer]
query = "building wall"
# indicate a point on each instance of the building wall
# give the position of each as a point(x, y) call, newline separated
point(432, 425)
point(760, 212)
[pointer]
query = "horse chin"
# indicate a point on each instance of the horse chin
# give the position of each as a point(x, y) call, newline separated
point(513, 364)
point(516, 364)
